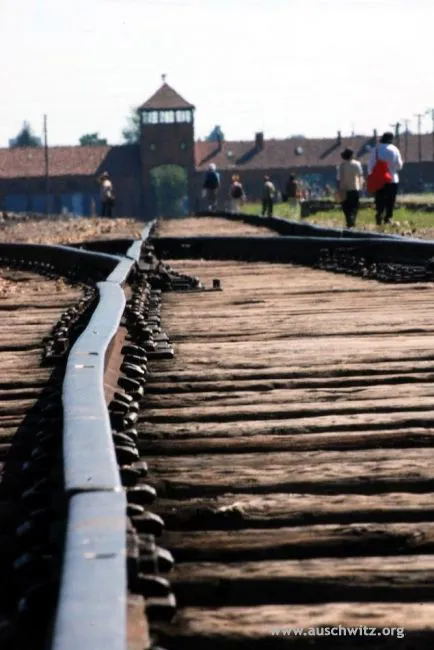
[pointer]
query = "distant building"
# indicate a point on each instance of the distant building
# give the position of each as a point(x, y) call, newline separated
point(167, 138)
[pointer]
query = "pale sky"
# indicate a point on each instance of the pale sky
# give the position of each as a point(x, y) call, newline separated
point(282, 66)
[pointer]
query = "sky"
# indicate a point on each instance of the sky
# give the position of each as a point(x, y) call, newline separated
point(283, 67)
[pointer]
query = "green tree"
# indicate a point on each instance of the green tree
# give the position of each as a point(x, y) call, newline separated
point(170, 187)
point(131, 133)
point(25, 138)
point(92, 140)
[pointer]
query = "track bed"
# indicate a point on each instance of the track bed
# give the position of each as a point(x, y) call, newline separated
point(291, 445)
point(30, 304)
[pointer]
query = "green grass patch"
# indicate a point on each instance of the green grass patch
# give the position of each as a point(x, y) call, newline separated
point(406, 220)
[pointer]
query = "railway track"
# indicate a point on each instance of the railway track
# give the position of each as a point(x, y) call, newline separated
point(41, 311)
point(260, 409)
point(290, 444)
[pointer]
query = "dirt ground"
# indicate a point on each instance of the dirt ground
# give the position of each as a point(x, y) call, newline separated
point(197, 226)
point(65, 230)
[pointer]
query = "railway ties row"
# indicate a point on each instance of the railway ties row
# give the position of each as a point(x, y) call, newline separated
point(53, 510)
point(290, 445)
point(145, 341)
point(38, 507)
point(279, 459)
point(31, 354)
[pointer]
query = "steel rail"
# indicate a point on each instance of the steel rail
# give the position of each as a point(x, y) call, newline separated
point(92, 605)
point(294, 249)
point(117, 246)
point(299, 228)
point(64, 258)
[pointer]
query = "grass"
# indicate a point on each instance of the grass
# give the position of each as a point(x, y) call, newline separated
point(406, 220)
point(416, 198)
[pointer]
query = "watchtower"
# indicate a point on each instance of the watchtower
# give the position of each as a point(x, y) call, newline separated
point(167, 138)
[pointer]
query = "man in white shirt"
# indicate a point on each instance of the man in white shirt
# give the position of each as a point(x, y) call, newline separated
point(385, 198)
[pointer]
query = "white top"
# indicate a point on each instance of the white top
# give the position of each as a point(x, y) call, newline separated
point(391, 155)
point(106, 189)
point(269, 189)
point(350, 175)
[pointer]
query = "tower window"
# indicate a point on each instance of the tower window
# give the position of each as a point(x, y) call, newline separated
point(152, 146)
point(150, 117)
point(183, 116)
point(167, 117)
point(183, 146)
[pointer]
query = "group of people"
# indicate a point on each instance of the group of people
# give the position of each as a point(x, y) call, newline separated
point(294, 191)
point(211, 187)
point(351, 181)
point(237, 195)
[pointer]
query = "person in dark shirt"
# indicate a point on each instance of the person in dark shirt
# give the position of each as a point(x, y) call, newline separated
point(292, 194)
point(291, 188)
point(268, 196)
point(106, 195)
point(236, 194)
point(211, 186)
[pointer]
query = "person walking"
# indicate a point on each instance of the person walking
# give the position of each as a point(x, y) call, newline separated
point(268, 196)
point(292, 194)
point(350, 183)
point(385, 197)
point(106, 195)
point(211, 186)
point(236, 194)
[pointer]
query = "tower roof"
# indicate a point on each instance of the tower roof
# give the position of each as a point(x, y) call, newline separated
point(166, 98)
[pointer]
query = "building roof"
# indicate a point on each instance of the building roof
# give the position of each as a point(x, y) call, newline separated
point(301, 152)
point(166, 98)
point(124, 160)
point(29, 162)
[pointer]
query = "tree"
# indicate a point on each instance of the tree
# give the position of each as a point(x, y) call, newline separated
point(25, 138)
point(216, 135)
point(131, 134)
point(170, 187)
point(92, 140)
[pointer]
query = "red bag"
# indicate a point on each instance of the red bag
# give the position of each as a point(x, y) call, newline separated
point(379, 176)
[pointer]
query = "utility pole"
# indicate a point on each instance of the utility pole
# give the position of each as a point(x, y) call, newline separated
point(406, 123)
point(396, 128)
point(430, 111)
point(419, 134)
point(47, 173)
